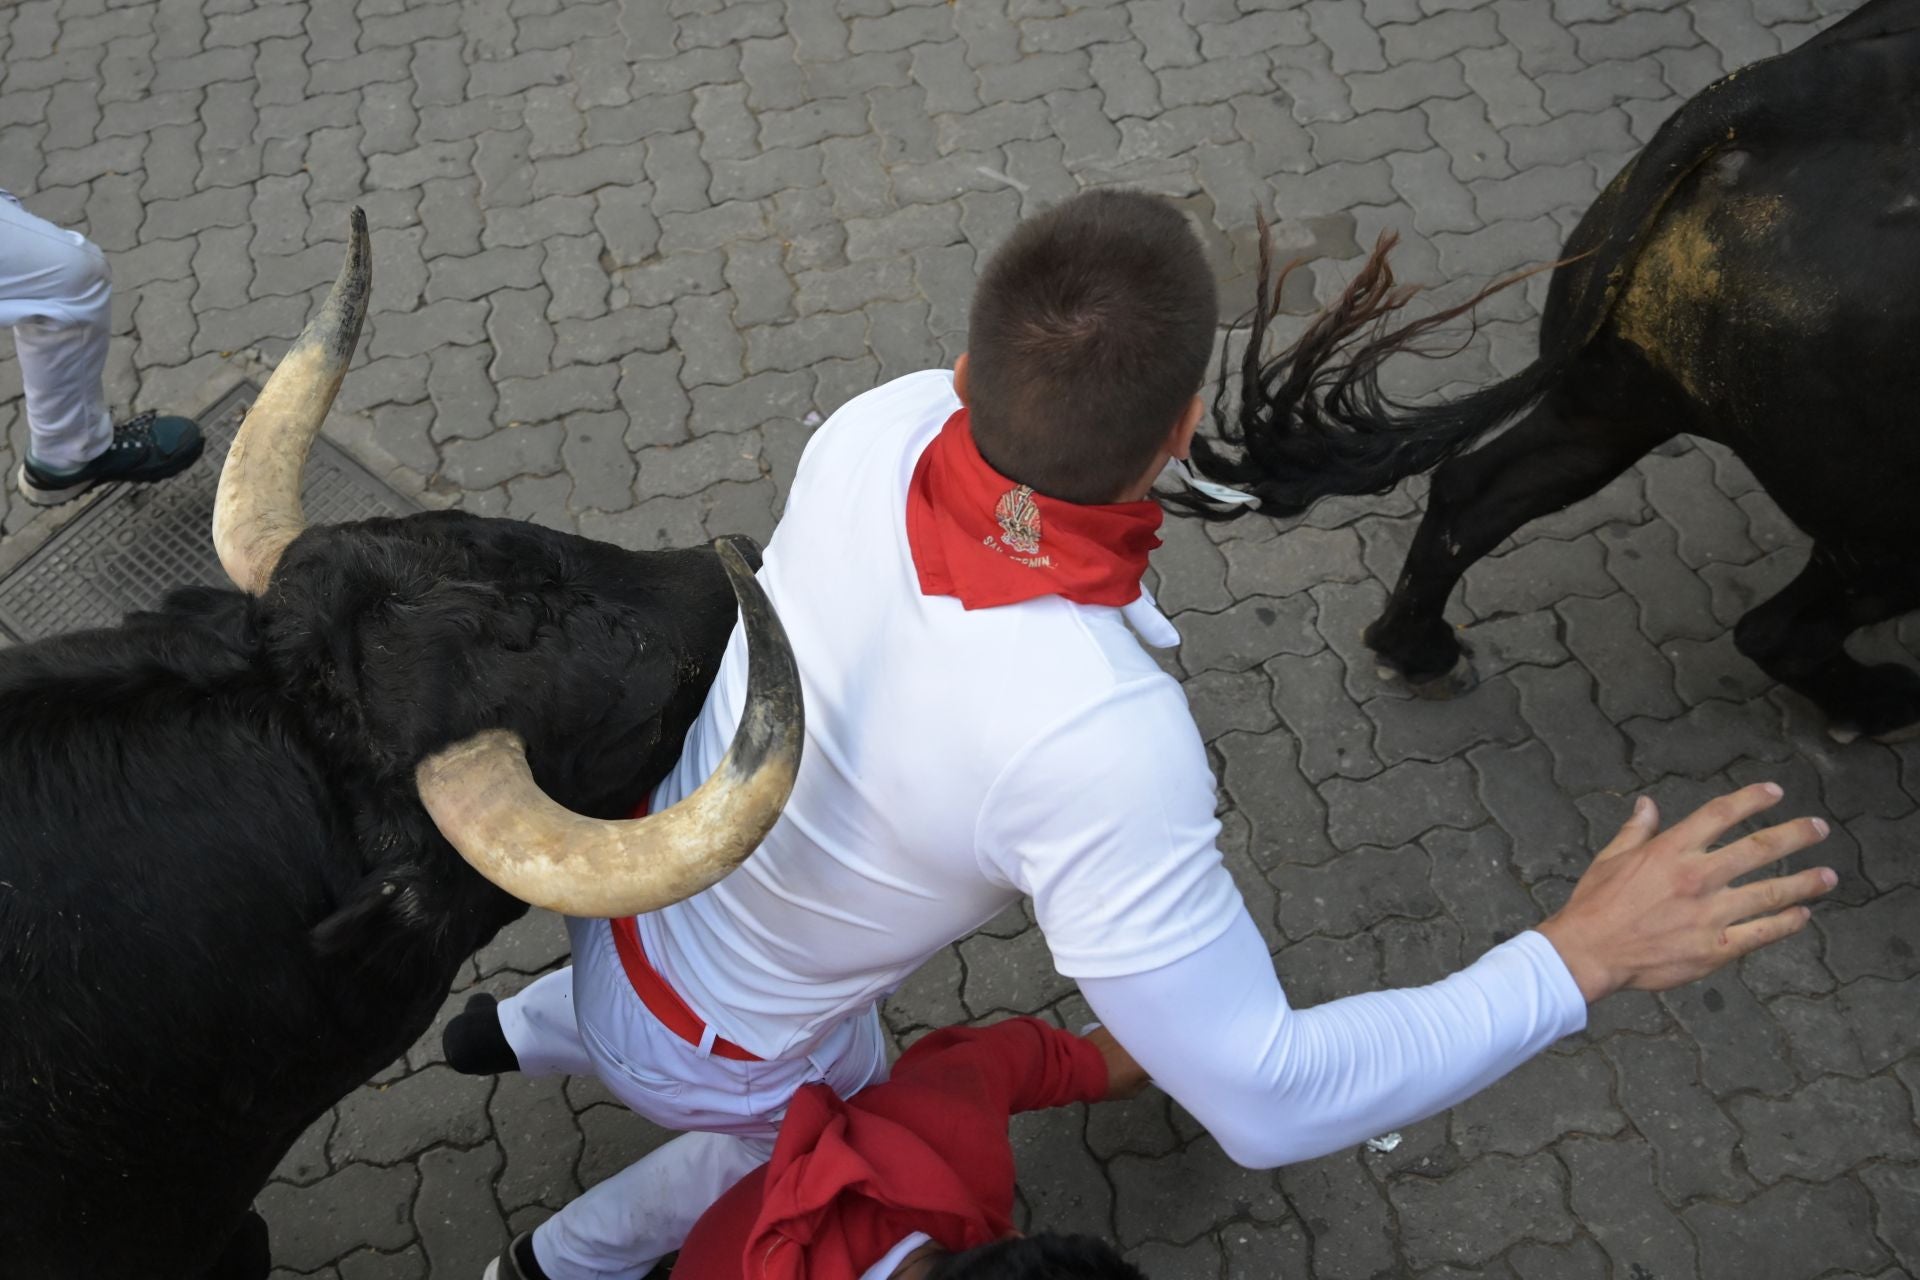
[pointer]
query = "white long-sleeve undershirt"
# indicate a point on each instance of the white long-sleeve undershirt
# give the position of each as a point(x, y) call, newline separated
point(1274, 1084)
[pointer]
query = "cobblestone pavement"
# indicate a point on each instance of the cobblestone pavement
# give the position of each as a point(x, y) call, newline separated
point(627, 252)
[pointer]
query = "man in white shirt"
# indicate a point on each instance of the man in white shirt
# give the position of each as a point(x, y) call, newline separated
point(958, 570)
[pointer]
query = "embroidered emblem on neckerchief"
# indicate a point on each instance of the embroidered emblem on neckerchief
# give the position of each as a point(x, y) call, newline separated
point(1019, 517)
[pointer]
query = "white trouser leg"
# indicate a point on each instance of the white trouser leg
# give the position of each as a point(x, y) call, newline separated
point(55, 294)
point(541, 1029)
point(620, 1228)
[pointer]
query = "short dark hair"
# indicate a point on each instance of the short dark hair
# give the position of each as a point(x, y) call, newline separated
point(1090, 332)
point(1045, 1256)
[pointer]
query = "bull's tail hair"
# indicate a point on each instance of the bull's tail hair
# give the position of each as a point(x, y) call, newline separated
point(1312, 421)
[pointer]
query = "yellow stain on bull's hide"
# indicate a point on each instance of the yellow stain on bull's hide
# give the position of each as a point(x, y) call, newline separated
point(1674, 283)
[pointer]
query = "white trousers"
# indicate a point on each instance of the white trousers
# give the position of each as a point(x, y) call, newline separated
point(585, 1020)
point(55, 295)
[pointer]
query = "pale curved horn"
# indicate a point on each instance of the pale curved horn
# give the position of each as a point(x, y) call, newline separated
point(482, 796)
point(257, 511)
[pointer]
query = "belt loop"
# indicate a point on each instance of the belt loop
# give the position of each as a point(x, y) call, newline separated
point(707, 1037)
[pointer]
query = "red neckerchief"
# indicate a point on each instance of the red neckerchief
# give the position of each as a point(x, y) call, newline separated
point(989, 541)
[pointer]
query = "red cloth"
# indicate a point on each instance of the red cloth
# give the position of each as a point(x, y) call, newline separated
point(979, 536)
point(926, 1151)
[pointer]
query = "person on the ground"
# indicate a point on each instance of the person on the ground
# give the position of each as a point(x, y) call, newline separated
point(959, 571)
point(56, 296)
point(911, 1179)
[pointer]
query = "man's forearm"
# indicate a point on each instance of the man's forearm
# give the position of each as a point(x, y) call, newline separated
point(1276, 1085)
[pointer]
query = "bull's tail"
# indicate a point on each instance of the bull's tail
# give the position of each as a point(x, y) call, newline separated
point(1312, 421)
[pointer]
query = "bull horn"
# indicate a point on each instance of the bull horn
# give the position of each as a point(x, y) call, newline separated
point(257, 511)
point(483, 798)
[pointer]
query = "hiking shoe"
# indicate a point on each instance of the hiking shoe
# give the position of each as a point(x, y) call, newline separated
point(473, 1042)
point(145, 448)
point(517, 1263)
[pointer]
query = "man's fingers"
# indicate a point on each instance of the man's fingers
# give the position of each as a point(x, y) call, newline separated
point(1766, 897)
point(1711, 820)
point(1640, 827)
point(1751, 936)
point(1763, 848)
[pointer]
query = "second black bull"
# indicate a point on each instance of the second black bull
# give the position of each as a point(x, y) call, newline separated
point(1752, 277)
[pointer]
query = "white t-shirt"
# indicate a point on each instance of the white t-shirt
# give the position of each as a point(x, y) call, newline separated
point(955, 760)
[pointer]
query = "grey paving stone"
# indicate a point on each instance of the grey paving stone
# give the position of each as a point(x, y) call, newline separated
point(931, 997)
point(1414, 953)
point(1612, 1193)
point(703, 330)
point(1190, 573)
point(1741, 1047)
point(358, 1205)
point(1416, 728)
point(1820, 1131)
point(519, 332)
point(1291, 564)
point(1896, 1195)
point(1474, 883)
point(1354, 891)
point(1222, 702)
point(1001, 973)
point(1588, 751)
point(497, 458)
point(1349, 1225)
point(1546, 1098)
point(805, 341)
point(1810, 1229)
point(1546, 831)
point(1288, 818)
point(1875, 939)
point(460, 1227)
point(306, 1162)
point(1173, 1199)
point(1479, 1211)
point(1400, 803)
point(1253, 630)
point(536, 1133)
point(1693, 1141)
point(1063, 1185)
point(684, 470)
point(577, 284)
point(384, 1126)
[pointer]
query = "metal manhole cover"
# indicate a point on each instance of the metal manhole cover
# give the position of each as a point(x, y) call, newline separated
point(138, 542)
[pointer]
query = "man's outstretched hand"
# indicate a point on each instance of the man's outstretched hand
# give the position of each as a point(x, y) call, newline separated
point(1658, 908)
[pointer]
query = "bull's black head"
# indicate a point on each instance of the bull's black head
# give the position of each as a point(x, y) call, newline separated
point(419, 632)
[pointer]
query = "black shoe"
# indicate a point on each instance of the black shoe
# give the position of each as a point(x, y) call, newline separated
point(517, 1263)
point(474, 1043)
point(145, 448)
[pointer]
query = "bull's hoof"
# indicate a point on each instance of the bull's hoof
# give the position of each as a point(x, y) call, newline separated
point(1845, 734)
point(1460, 680)
point(1441, 688)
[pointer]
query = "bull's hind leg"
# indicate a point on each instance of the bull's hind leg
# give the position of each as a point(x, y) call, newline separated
point(1797, 637)
point(1548, 460)
point(247, 1256)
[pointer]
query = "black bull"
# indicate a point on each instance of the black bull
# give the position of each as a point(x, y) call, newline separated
point(1751, 277)
point(223, 905)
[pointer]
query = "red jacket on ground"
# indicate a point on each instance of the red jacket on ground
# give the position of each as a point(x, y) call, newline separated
point(926, 1151)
